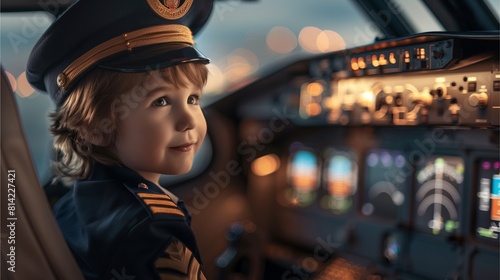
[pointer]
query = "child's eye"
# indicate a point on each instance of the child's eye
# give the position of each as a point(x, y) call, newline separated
point(194, 100)
point(160, 102)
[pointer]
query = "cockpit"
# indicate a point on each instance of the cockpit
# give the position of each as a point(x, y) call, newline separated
point(346, 139)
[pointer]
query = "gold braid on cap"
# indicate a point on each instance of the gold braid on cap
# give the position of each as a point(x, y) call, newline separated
point(172, 33)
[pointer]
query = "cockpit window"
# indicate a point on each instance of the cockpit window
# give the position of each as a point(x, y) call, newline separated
point(257, 34)
point(419, 15)
point(494, 5)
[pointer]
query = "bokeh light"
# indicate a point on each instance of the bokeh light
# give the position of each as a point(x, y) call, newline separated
point(215, 81)
point(12, 80)
point(313, 109)
point(307, 38)
point(315, 89)
point(240, 63)
point(315, 40)
point(330, 41)
point(281, 40)
point(24, 89)
point(266, 165)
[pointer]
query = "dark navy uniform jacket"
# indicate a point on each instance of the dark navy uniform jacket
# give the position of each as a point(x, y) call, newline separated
point(121, 226)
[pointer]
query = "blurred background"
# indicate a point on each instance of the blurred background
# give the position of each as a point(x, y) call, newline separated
point(307, 171)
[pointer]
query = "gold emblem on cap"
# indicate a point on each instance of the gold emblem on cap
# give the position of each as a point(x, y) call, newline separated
point(143, 186)
point(172, 4)
point(170, 9)
point(61, 80)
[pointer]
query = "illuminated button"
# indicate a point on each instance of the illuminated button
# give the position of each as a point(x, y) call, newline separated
point(472, 86)
point(382, 60)
point(392, 59)
point(496, 85)
point(375, 61)
point(361, 63)
point(407, 57)
point(354, 64)
point(421, 53)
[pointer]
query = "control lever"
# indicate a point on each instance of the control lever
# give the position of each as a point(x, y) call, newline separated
point(233, 236)
point(241, 259)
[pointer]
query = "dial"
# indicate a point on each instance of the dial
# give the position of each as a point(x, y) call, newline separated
point(439, 183)
point(387, 176)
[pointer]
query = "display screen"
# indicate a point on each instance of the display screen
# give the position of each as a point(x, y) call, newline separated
point(488, 199)
point(303, 175)
point(438, 186)
point(387, 177)
point(340, 181)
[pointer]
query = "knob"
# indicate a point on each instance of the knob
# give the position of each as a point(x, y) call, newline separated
point(437, 54)
point(424, 97)
point(478, 99)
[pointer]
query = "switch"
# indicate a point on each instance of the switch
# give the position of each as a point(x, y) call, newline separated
point(496, 85)
point(472, 86)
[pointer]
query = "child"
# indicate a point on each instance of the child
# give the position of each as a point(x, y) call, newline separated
point(127, 83)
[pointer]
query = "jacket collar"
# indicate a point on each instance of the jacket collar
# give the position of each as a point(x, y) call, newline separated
point(131, 178)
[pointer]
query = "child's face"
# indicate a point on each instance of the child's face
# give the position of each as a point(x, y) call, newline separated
point(163, 132)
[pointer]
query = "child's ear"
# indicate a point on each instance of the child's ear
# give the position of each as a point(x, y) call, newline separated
point(97, 137)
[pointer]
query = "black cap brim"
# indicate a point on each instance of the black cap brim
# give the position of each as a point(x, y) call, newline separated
point(153, 57)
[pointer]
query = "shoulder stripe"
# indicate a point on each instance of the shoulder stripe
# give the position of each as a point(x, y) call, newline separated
point(160, 202)
point(166, 210)
point(154, 195)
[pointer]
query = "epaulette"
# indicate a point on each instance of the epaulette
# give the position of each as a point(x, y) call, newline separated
point(159, 204)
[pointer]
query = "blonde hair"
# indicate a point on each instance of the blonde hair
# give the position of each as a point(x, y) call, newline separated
point(85, 125)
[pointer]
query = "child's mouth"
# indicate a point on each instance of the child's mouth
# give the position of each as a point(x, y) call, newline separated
point(184, 147)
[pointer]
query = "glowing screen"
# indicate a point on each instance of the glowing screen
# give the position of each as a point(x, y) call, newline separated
point(438, 188)
point(303, 177)
point(387, 177)
point(488, 200)
point(340, 175)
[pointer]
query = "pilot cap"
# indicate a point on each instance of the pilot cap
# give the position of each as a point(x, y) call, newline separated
point(125, 36)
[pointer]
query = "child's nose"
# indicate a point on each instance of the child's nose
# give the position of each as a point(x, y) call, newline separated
point(185, 119)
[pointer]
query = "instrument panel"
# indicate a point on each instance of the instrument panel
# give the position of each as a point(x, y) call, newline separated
point(391, 160)
point(404, 86)
point(393, 210)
